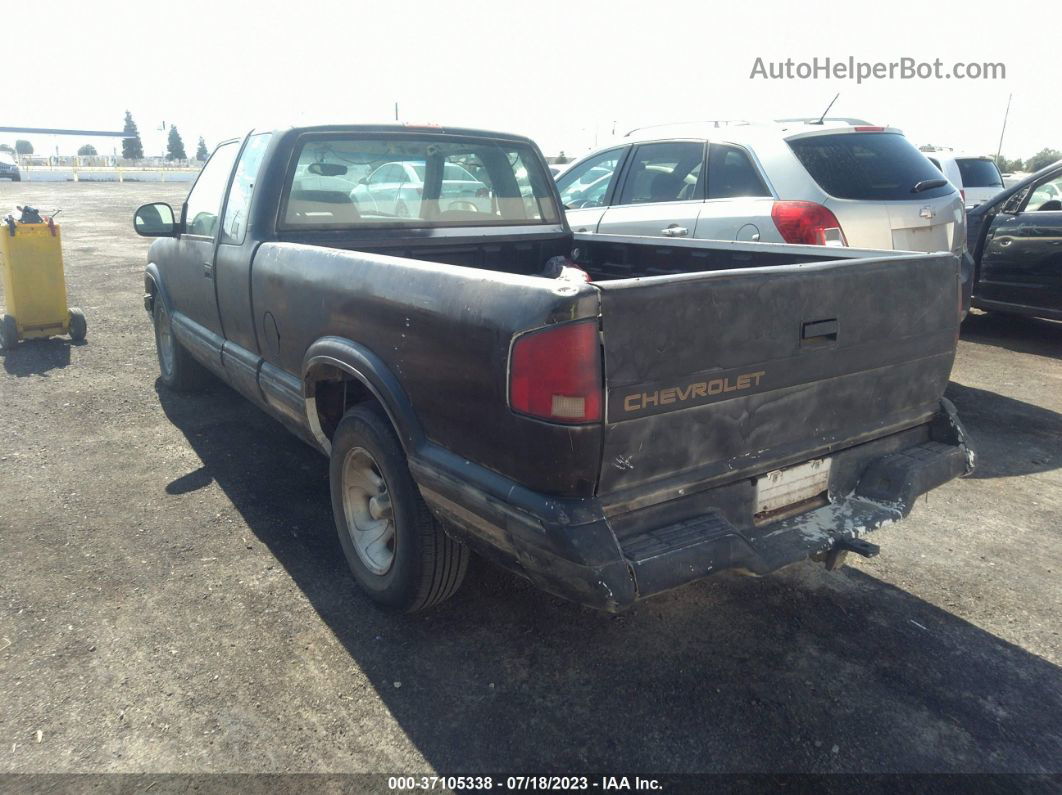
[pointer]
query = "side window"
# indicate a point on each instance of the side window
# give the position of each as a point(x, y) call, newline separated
point(1047, 196)
point(234, 225)
point(666, 172)
point(204, 202)
point(587, 184)
point(731, 174)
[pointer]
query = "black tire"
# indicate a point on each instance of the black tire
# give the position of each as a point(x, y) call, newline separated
point(178, 370)
point(8, 333)
point(16, 178)
point(78, 325)
point(427, 566)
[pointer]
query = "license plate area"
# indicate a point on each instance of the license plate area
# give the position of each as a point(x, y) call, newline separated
point(796, 489)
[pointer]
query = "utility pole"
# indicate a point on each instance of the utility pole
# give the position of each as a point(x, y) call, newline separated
point(1006, 113)
point(396, 111)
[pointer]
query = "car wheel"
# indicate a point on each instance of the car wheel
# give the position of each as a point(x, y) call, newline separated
point(179, 371)
point(8, 333)
point(78, 324)
point(397, 551)
point(16, 179)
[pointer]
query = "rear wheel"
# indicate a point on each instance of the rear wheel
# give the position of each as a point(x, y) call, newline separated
point(396, 550)
point(78, 325)
point(8, 332)
point(179, 371)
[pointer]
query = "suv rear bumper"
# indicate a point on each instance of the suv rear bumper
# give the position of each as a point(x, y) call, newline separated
point(571, 549)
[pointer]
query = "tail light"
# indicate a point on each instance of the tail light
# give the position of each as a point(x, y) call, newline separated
point(869, 128)
point(555, 374)
point(962, 193)
point(808, 223)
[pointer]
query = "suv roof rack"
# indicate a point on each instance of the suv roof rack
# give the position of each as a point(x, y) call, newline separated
point(817, 120)
point(714, 122)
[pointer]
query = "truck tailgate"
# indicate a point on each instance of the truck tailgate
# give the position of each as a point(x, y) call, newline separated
point(722, 375)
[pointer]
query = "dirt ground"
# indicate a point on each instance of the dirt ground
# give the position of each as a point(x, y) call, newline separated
point(173, 597)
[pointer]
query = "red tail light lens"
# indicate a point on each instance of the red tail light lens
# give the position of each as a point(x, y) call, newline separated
point(555, 374)
point(867, 128)
point(808, 223)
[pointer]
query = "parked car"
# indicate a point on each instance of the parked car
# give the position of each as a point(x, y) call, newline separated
point(9, 167)
point(1015, 241)
point(833, 183)
point(742, 406)
point(396, 188)
point(976, 176)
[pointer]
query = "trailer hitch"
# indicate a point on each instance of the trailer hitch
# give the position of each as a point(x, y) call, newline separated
point(836, 557)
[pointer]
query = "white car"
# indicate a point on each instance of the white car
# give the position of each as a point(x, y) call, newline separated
point(830, 183)
point(976, 176)
point(396, 188)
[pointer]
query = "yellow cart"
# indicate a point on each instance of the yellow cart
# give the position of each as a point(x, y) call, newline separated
point(31, 258)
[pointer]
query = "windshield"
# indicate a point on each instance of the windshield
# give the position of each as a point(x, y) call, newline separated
point(868, 166)
point(418, 181)
point(979, 173)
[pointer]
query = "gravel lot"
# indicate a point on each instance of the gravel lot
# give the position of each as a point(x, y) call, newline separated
point(172, 596)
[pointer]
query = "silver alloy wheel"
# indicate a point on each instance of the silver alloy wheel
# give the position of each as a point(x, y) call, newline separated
point(165, 334)
point(367, 509)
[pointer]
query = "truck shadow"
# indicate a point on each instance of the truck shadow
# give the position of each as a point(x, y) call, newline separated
point(803, 671)
point(1011, 437)
point(37, 357)
point(1016, 333)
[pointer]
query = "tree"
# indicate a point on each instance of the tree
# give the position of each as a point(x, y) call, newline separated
point(1008, 166)
point(7, 148)
point(1043, 158)
point(23, 147)
point(201, 153)
point(132, 148)
point(562, 158)
point(174, 145)
point(88, 150)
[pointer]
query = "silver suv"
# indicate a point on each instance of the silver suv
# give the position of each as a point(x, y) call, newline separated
point(830, 183)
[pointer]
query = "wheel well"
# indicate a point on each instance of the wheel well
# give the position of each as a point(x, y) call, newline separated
point(335, 391)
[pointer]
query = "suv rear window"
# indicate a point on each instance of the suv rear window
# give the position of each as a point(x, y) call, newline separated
point(362, 181)
point(979, 173)
point(867, 166)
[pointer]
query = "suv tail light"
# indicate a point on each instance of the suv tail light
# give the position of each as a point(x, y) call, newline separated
point(555, 373)
point(808, 223)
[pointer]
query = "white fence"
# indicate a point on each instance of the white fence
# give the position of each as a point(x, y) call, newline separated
point(104, 168)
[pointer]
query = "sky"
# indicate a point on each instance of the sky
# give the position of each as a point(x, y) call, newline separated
point(564, 73)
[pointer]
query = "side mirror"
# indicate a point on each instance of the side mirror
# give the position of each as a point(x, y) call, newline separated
point(155, 220)
point(363, 181)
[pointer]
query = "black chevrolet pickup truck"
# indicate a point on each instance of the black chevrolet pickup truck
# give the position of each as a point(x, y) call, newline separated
point(608, 416)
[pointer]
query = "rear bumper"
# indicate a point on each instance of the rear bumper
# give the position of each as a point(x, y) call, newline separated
point(571, 549)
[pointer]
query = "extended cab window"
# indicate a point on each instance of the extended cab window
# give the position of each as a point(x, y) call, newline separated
point(234, 227)
point(204, 202)
point(665, 172)
point(731, 174)
point(418, 180)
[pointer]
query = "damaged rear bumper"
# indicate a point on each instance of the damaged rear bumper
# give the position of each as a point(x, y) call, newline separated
point(572, 549)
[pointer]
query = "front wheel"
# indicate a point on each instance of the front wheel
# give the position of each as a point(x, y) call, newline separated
point(179, 371)
point(396, 550)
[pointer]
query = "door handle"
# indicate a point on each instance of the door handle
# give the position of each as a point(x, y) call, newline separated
point(208, 270)
point(674, 230)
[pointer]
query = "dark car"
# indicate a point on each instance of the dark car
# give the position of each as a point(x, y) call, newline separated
point(9, 168)
point(1015, 240)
